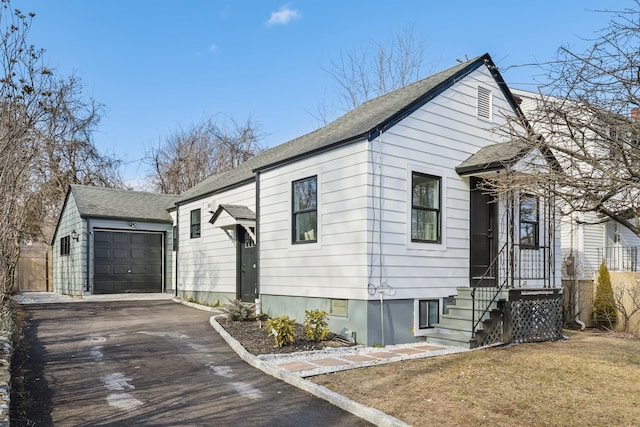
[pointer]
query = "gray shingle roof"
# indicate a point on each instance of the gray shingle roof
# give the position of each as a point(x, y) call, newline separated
point(365, 120)
point(237, 212)
point(493, 157)
point(99, 202)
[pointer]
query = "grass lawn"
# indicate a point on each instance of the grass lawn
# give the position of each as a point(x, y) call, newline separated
point(591, 379)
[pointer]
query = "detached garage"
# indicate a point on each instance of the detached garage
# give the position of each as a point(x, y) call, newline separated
point(110, 241)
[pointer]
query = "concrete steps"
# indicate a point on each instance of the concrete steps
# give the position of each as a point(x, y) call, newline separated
point(455, 326)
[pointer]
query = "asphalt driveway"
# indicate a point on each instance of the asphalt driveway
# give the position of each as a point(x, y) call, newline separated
point(154, 363)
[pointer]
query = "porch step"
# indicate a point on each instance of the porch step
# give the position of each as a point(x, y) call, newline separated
point(448, 337)
point(454, 328)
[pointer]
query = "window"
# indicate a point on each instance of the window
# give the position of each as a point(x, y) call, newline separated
point(65, 245)
point(612, 233)
point(305, 210)
point(425, 208)
point(195, 223)
point(529, 221)
point(484, 103)
point(175, 238)
point(428, 313)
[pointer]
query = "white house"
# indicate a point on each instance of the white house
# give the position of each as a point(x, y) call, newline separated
point(376, 218)
point(587, 240)
point(379, 218)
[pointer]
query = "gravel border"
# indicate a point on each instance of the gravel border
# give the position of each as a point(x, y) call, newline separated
point(372, 415)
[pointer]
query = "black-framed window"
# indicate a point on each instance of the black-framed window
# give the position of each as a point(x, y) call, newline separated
point(195, 223)
point(428, 313)
point(305, 210)
point(529, 221)
point(425, 208)
point(65, 245)
point(175, 238)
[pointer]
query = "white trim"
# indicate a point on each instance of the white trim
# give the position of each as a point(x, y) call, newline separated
point(291, 178)
point(441, 173)
point(417, 332)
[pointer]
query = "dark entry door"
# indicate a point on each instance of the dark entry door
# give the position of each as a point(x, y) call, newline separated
point(484, 236)
point(127, 262)
point(247, 271)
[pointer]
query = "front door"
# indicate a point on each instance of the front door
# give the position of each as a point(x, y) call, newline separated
point(484, 236)
point(247, 271)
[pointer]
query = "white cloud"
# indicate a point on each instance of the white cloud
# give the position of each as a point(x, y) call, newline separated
point(283, 16)
point(213, 48)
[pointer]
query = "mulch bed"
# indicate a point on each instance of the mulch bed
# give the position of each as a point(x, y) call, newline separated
point(253, 336)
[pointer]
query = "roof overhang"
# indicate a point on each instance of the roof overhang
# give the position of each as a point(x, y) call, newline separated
point(227, 217)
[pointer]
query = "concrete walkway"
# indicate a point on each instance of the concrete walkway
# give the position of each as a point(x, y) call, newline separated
point(50, 297)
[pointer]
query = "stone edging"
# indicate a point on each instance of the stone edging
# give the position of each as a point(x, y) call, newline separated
point(372, 415)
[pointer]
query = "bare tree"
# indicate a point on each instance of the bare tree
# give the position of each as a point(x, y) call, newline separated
point(66, 154)
point(24, 84)
point(45, 141)
point(363, 74)
point(190, 155)
point(626, 299)
point(586, 122)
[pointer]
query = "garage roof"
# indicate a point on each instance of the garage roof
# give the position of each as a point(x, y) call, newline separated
point(99, 202)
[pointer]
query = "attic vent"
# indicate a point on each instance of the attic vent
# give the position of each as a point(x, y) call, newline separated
point(484, 103)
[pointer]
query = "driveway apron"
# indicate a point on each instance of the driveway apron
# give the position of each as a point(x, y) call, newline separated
point(154, 363)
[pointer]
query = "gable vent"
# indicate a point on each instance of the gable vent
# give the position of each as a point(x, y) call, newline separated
point(484, 103)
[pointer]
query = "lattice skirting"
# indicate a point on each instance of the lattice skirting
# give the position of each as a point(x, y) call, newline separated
point(492, 333)
point(531, 317)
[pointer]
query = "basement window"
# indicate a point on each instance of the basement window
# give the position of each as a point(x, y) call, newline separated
point(428, 313)
point(484, 103)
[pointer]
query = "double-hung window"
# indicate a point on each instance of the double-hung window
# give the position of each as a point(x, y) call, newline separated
point(425, 208)
point(195, 223)
point(305, 210)
point(65, 245)
point(529, 221)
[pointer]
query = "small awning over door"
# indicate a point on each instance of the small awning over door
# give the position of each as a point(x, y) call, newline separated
point(493, 158)
point(228, 216)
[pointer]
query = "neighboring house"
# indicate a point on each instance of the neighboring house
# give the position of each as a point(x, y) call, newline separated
point(587, 238)
point(379, 219)
point(112, 241)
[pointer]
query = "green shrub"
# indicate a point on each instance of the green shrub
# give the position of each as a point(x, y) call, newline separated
point(238, 310)
point(315, 323)
point(281, 328)
point(604, 308)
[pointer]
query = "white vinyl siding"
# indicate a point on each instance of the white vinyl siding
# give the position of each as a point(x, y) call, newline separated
point(69, 275)
point(209, 262)
point(364, 225)
point(335, 265)
point(433, 140)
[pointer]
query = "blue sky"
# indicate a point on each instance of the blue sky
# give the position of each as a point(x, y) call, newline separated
point(157, 65)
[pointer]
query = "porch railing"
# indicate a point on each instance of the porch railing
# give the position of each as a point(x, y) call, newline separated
point(620, 258)
point(483, 296)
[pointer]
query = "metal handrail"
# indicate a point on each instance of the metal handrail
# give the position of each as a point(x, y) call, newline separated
point(477, 285)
